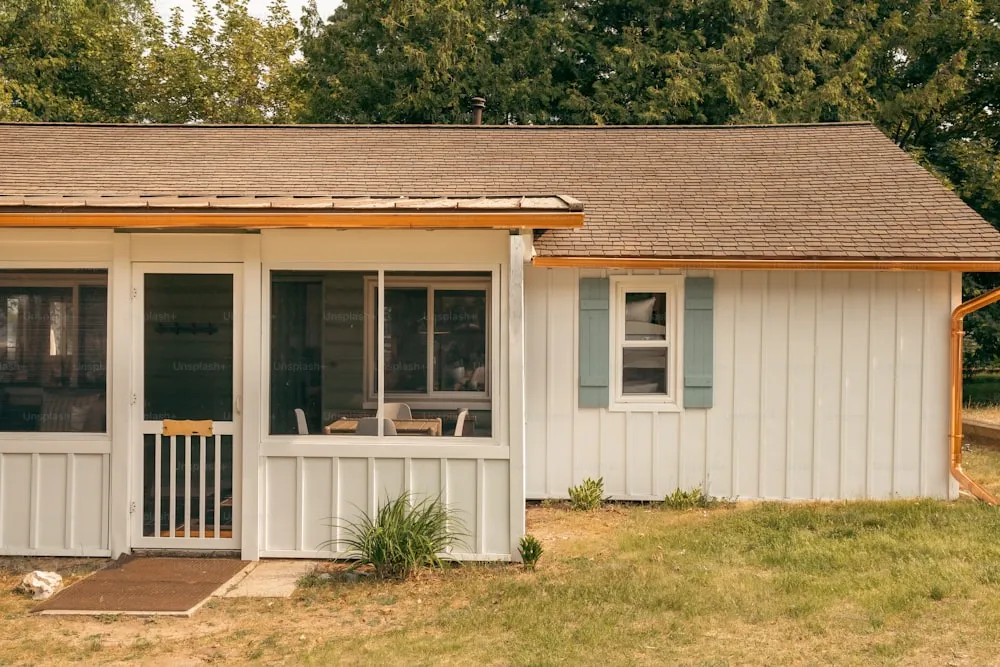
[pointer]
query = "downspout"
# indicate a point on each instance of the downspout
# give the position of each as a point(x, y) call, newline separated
point(957, 333)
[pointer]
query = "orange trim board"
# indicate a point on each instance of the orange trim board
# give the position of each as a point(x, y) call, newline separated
point(310, 219)
point(768, 264)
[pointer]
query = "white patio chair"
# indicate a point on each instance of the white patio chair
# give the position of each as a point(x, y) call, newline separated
point(369, 426)
point(300, 420)
point(397, 411)
point(460, 423)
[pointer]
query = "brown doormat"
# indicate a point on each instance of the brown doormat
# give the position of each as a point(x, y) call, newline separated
point(146, 586)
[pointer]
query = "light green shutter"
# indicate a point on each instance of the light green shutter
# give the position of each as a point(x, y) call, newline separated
point(698, 342)
point(595, 343)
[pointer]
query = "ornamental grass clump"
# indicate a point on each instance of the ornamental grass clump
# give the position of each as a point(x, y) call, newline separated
point(696, 498)
point(588, 495)
point(403, 535)
point(530, 549)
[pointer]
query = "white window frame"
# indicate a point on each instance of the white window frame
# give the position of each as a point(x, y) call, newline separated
point(673, 287)
point(431, 399)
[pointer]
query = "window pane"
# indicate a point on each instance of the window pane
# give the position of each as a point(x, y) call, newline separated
point(460, 361)
point(319, 321)
point(53, 351)
point(645, 316)
point(644, 370)
point(405, 340)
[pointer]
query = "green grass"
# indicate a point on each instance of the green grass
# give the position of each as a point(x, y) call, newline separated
point(981, 389)
point(983, 465)
point(893, 583)
point(860, 583)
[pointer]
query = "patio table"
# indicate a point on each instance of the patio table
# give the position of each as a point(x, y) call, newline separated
point(403, 426)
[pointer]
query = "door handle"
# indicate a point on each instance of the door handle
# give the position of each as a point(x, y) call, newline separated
point(239, 404)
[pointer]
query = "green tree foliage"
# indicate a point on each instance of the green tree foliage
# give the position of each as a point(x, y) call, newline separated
point(927, 72)
point(116, 61)
point(227, 67)
point(72, 60)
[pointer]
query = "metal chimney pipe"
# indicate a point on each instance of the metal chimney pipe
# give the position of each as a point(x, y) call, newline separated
point(478, 104)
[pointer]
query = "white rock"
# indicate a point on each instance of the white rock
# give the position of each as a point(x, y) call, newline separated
point(41, 585)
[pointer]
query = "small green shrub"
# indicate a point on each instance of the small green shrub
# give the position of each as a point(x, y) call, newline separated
point(531, 550)
point(685, 500)
point(588, 495)
point(402, 536)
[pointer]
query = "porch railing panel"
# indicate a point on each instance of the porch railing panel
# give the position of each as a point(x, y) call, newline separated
point(188, 494)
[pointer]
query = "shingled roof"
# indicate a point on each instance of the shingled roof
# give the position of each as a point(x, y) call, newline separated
point(824, 191)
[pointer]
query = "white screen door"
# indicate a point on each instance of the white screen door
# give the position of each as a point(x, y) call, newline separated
point(187, 331)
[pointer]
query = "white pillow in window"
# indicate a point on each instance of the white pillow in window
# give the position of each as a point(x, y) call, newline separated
point(640, 311)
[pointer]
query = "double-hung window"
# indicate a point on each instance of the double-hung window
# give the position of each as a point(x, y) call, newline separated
point(645, 341)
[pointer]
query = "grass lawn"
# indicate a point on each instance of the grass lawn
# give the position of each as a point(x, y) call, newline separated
point(982, 389)
point(983, 465)
point(855, 583)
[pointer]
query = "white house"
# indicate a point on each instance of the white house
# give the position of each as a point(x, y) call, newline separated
point(223, 337)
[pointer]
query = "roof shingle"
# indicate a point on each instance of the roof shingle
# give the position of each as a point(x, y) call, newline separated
point(825, 191)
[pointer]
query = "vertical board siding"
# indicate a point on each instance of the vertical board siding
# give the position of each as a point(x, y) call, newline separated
point(774, 394)
point(536, 303)
point(54, 504)
point(747, 369)
point(306, 495)
point(855, 389)
point(827, 385)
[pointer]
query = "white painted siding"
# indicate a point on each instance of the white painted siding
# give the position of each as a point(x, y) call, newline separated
point(302, 495)
point(53, 499)
point(827, 385)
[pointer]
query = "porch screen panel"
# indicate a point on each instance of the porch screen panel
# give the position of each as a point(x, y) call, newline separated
point(318, 325)
point(325, 353)
point(53, 351)
point(188, 363)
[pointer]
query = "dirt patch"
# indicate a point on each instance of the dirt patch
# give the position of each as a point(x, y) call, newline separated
point(66, 566)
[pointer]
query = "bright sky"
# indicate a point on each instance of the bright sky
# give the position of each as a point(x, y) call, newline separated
point(257, 7)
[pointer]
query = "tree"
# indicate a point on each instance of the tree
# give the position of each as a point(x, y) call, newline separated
point(72, 60)
point(226, 68)
point(400, 61)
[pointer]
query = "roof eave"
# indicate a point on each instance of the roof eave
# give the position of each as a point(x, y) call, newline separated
point(276, 219)
point(783, 264)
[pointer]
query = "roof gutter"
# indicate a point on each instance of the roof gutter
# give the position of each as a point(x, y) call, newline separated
point(957, 333)
point(985, 266)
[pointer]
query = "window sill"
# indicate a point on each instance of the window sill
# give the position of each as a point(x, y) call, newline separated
point(451, 403)
point(644, 406)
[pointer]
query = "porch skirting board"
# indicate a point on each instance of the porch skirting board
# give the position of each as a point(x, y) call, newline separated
point(327, 555)
point(53, 503)
point(305, 499)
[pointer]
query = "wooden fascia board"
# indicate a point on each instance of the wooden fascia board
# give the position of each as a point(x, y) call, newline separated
point(304, 219)
point(769, 264)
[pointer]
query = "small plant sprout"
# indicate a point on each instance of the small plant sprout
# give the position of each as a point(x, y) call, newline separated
point(588, 495)
point(685, 500)
point(403, 535)
point(531, 550)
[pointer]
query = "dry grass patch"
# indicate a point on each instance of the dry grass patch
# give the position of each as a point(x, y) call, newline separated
point(984, 413)
point(983, 465)
point(837, 583)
